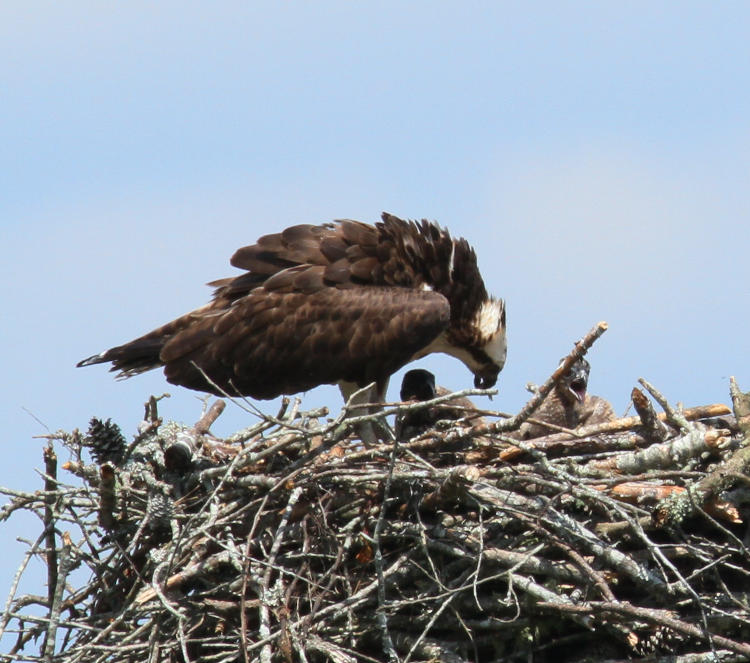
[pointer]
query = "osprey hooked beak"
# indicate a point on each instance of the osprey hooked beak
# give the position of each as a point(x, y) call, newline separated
point(486, 377)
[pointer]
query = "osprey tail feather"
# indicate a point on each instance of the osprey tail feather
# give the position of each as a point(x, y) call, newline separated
point(130, 359)
point(143, 353)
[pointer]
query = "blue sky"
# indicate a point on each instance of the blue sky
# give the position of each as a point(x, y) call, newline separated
point(595, 154)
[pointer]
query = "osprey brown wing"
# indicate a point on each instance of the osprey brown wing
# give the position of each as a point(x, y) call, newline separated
point(340, 248)
point(275, 342)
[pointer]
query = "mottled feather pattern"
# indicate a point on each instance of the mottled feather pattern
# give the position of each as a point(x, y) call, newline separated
point(290, 358)
point(394, 252)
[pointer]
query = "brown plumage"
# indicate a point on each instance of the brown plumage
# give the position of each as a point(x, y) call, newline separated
point(342, 303)
point(568, 405)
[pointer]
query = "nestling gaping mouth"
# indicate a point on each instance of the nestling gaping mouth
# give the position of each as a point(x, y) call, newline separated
point(578, 388)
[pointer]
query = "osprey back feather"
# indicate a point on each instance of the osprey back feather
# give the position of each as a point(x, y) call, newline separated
point(343, 303)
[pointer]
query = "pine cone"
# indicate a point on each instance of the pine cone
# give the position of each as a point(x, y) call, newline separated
point(159, 510)
point(105, 441)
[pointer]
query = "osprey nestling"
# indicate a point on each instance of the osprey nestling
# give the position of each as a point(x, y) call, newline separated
point(568, 405)
point(342, 303)
point(419, 385)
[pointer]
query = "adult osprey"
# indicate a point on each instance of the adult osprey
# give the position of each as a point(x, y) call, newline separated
point(344, 303)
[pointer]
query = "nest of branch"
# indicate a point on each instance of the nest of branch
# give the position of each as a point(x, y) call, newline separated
point(290, 541)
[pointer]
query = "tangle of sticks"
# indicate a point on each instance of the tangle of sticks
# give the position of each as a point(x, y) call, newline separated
point(291, 541)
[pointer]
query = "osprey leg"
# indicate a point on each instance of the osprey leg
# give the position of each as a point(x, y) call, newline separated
point(363, 401)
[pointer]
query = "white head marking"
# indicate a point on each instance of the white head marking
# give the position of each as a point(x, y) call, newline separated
point(490, 322)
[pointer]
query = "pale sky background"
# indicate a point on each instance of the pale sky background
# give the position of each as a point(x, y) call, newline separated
point(595, 154)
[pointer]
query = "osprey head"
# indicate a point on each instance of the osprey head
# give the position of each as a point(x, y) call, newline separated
point(576, 380)
point(489, 346)
point(418, 384)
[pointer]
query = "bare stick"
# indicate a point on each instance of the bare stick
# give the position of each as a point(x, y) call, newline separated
point(50, 484)
point(674, 417)
point(17, 579)
point(665, 618)
point(615, 426)
point(55, 604)
point(741, 405)
point(204, 423)
point(580, 349)
point(655, 429)
point(382, 617)
point(265, 628)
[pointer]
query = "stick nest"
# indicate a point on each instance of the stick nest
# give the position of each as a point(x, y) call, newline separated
point(290, 541)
